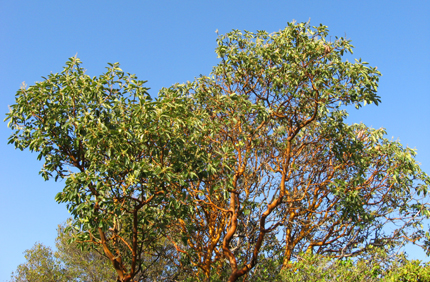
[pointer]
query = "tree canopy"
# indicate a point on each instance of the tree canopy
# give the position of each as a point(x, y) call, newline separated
point(68, 263)
point(252, 164)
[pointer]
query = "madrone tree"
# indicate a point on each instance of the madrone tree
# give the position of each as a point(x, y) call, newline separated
point(293, 176)
point(125, 158)
point(251, 165)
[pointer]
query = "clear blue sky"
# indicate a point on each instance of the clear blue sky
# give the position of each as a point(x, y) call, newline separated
point(166, 42)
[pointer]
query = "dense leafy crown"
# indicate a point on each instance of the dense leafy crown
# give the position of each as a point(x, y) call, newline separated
point(252, 164)
point(117, 149)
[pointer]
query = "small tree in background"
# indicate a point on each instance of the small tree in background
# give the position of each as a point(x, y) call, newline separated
point(41, 265)
point(68, 263)
point(377, 265)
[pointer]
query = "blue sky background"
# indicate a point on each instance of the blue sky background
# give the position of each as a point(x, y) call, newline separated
point(166, 42)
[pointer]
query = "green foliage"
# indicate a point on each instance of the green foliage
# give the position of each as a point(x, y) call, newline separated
point(82, 264)
point(41, 266)
point(377, 266)
point(67, 263)
point(218, 175)
point(412, 271)
point(124, 156)
point(296, 168)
